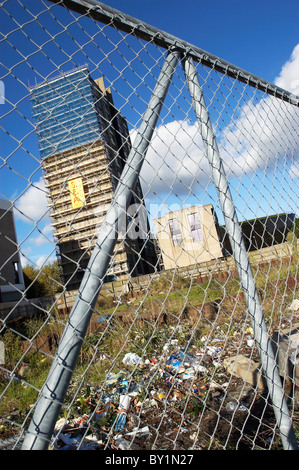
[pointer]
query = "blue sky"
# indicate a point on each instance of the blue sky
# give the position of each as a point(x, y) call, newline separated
point(257, 36)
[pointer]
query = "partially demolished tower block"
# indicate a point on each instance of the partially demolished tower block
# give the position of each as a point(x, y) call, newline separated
point(84, 143)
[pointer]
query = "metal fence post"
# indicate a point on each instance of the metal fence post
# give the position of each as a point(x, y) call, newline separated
point(268, 362)
point(54, 390)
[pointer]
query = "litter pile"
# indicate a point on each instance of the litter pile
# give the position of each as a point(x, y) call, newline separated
point(153, 403)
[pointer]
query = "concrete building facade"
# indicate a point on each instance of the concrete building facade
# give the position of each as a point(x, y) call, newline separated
point(188, 236)
point(11, 274)
point(84, 143)
point(192, 235)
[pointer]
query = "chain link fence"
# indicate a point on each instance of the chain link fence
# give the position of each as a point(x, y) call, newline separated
point(149, 239)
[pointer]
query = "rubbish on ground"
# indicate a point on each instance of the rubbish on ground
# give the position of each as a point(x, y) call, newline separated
point(60, 424)
point(122, 444)
point(234, 406)
point(245, 368)
point(294, 305)
point(67, 439)
point(23, 370)
point(121, 418)
point(132, 359)
point(113, 378)
point(104, 318)
point(139, 432)
point(173, 381)
point(189, 373)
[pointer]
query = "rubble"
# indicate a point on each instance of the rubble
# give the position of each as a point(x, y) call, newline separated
point(245, 368)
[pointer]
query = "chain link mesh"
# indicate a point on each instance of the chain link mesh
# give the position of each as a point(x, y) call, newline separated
point(169, 360)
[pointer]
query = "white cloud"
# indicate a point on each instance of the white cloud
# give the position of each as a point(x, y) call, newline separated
point(43, 260)
point(43, 237)
point(265, 129)
point(32, 205)
point(294, 170)
point(288, 78)
point(31, 211)
point(24, 255)
point(175, 159)
point(264, 132)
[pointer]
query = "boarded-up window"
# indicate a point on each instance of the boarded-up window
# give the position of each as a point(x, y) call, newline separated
point(195, 227)
point(175, 231)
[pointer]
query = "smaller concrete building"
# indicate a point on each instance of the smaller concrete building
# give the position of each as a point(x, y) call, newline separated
point(262, 232)
point(11, 274)
point(188, 236)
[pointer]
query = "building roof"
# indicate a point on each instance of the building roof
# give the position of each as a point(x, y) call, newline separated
point(6, 205)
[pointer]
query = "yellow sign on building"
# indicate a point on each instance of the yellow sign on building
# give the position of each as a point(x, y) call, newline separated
point(77, 192)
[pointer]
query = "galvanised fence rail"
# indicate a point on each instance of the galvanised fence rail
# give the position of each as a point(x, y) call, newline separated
point(149, 239)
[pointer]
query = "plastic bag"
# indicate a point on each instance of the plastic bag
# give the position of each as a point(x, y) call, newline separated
point(131, 359)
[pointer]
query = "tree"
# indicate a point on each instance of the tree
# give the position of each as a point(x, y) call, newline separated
point(44, 281)
point(295, 228)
